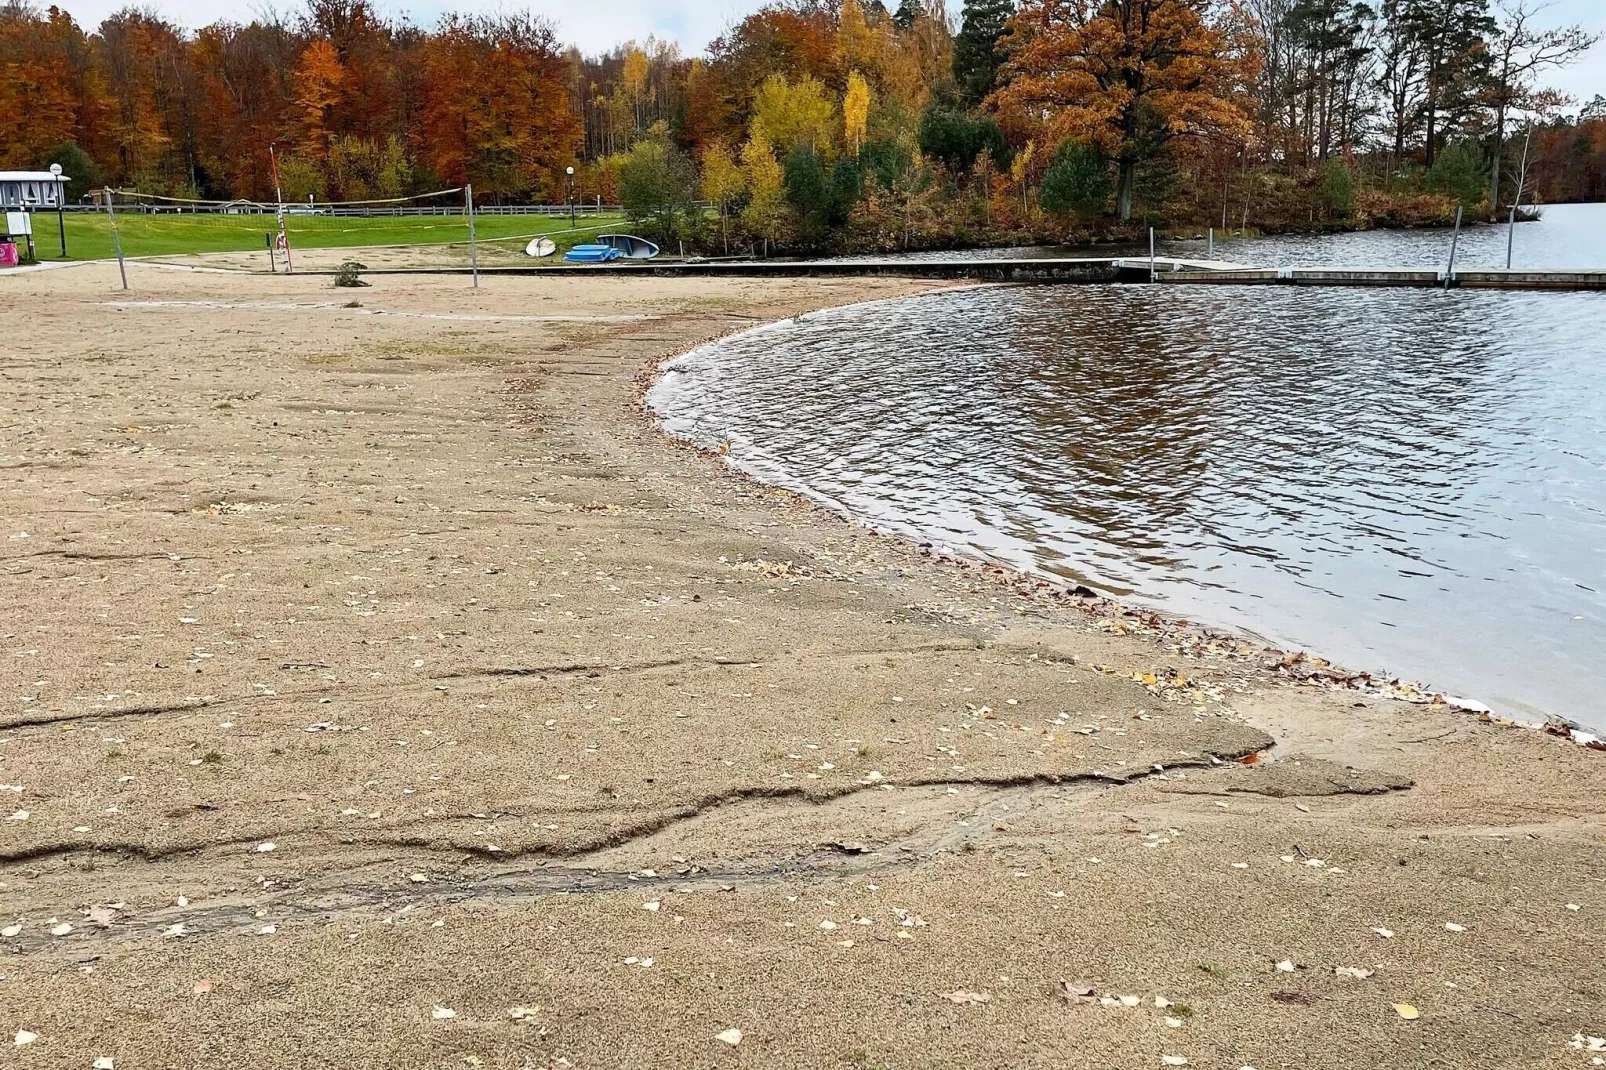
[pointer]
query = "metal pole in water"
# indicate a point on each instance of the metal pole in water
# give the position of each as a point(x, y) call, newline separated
point(1455, 239)
point(1212, 246)
point(117, 239)
point(473, 246)
point(1522, 180)
point(1153, 275)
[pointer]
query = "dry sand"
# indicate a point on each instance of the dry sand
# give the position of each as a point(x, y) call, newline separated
point(522, 696)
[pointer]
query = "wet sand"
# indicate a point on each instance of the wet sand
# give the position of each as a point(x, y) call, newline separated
point(383, 690)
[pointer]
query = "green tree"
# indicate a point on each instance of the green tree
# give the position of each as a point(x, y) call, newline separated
point(1458, 172)
point(82, 172)
point(847, 186)
point(1077, 181)
point(657, 184)
point(807, 190)
point(1338, 189)
point(957, 139)
point(884, 161)
point(975, 56)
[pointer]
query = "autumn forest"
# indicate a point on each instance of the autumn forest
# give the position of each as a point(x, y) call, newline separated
point(822, 124)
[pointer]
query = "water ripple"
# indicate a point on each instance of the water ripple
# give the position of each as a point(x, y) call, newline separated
point(1406, 480)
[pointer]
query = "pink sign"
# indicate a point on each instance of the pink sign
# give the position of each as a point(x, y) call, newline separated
point(8, 254)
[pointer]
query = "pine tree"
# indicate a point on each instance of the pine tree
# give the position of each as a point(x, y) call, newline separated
point(975, 56)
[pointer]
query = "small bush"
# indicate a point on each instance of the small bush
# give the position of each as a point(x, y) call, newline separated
point(1338, 190)
point(347, 274)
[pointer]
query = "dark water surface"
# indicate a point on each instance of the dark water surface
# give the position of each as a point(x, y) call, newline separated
point(1400, 480)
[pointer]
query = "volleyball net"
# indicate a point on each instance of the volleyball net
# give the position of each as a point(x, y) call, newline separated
point(431, 228)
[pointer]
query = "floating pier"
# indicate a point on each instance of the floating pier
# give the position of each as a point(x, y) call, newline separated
point(1392, 277)
point(1165, 270)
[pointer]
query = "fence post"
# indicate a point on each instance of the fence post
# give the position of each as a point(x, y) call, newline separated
point(473, 246)
point(117, 240)
point(1154, 276)
point(1455, 239)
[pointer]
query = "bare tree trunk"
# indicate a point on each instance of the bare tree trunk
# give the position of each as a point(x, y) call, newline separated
point(1123, 195)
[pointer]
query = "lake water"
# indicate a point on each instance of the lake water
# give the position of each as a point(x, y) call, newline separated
point(1403, 481)
point(1566, 236)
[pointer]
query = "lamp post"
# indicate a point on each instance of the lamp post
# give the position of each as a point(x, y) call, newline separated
point(61, 207)
point(570, 172)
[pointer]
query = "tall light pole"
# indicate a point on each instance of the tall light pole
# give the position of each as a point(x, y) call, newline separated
point(571, 197)
point(61, 206)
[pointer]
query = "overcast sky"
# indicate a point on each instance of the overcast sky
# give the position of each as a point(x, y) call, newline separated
point(596, 25)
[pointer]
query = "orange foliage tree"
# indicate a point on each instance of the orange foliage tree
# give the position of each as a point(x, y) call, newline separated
point(49, 92)
point(496, 111)
point(1126, 76)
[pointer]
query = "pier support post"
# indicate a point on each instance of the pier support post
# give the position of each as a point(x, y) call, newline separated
point(1153, 275)
point(1455, 239)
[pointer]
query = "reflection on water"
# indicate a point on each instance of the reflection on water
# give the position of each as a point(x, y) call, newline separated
point(1412, 481)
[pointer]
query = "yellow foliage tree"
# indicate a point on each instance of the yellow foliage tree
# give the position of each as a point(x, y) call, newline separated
point(635, 78)
point(790, 115)
point(723, 181)
point(855, 111)
point(765, 181)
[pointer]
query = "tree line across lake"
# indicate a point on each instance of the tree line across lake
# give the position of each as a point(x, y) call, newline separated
point(838, 124)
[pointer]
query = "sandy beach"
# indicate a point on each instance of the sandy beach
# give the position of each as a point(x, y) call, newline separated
point(382, 689)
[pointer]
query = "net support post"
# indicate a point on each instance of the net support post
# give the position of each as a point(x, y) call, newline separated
point(473, 245)
point(117, 240)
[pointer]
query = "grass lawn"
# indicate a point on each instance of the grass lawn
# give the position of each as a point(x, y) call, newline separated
point(89, 236)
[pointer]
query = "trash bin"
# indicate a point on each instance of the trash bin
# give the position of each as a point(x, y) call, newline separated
point(8, 254)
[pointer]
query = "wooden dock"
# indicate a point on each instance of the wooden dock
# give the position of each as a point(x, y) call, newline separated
point(1165, 270)
point(1416, 278)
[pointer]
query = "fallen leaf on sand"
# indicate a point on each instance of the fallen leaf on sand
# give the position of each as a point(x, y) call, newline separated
point(731, 1036)
point(264, 848)
point(1174, 1060)
point(24, 1038)
point(1406, 1011)
point(1454, 928)
point(1387, 934)
point(441, 1014)
point(105, 1063)
point(10, 930)
point(1285, 966)
point(1129, 1001)
point(959, 995)
point(61, 930)
point(1351, 971)
point(1077, 992)
point(203, 987)
point(519, 1014)
point(651, 904)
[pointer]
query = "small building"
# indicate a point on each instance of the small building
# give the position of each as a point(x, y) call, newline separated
point(32, 190)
